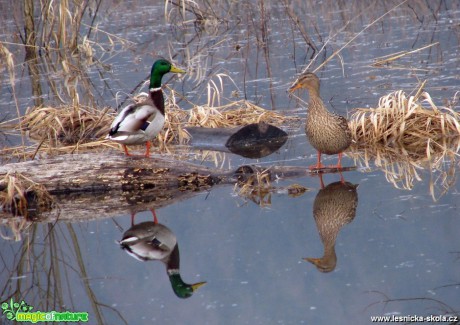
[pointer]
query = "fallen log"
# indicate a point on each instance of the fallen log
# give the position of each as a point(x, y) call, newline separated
point(97, 185)
point(98, 172)
point(114, 183)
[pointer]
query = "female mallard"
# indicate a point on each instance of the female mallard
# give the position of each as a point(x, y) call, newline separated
point(327, 132)
point(334, 207)
point(141, 122)
point(148, 241)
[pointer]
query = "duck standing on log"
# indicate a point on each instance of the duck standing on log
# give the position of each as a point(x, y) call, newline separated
point(141, 122)
point(327, 132)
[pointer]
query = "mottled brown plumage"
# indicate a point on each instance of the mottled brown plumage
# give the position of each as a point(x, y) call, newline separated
point(327, 132)
point(334, 206)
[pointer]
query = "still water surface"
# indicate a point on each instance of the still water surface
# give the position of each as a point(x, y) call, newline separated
point(400, 255)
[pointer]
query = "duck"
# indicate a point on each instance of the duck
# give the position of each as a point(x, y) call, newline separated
point(334, 207)
point(139, 123)
point(149, 241)
point(327, 132)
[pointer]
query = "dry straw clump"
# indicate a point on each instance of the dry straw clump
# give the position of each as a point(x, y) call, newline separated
point(233, 114)
point(21, 196)
point(66, 125)
point(402, 121)
point(66, 128)
point(403, 135)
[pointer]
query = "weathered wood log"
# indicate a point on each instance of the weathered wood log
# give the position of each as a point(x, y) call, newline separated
point(103, 172)
point(114, 184)
point(88, 186)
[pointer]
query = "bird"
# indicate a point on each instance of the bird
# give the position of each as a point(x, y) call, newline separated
point(334, 206)
point(327, 132)
point(139, 123)
point(148, 241)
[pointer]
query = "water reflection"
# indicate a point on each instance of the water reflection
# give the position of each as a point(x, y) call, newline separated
point(152, 241)
point(334, 207)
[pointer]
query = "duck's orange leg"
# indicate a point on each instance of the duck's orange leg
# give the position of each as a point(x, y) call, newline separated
point(339, 163)
point(155, 219)
point(147, 151)
point(321, 180)
point(133, 216)
point(125, 148)
point(318, 165)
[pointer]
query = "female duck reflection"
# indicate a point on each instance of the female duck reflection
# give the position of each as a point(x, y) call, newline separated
point(148, 241)
point(334, 206)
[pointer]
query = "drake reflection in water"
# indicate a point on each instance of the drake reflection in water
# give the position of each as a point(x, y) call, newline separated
point(334, 206)
point(149, 241)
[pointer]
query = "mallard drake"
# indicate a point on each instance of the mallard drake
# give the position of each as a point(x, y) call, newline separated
point(334, 206)
point(139, 123)
point(327, 132)
point(148, 241)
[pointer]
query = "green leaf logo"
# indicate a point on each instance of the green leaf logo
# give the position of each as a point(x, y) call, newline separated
point(12, 308)
point(8, 309)
point(10, 316)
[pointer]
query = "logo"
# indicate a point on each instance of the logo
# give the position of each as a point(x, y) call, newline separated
point(22, 312)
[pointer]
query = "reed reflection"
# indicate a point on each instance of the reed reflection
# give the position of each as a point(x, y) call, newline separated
point(150, 241)
point(334, 207)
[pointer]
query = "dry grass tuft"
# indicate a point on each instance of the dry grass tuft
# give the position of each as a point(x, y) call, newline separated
point(405, 122)
point(405, 134)
point(256, 187)
point(66, 125)
point(233, 114)
point(21, 196)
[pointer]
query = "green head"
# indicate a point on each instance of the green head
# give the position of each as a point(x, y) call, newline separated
point(159, 69)
point(182, 289)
